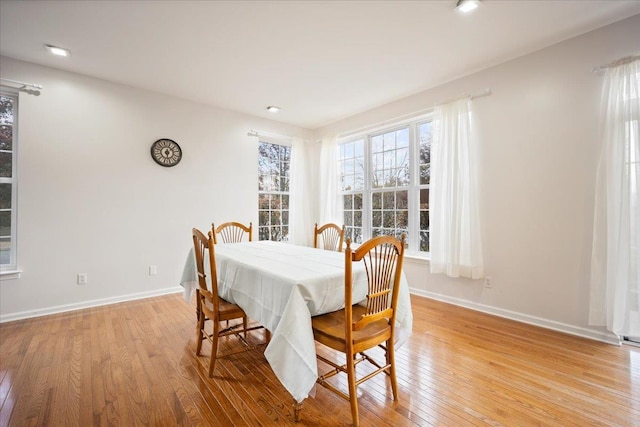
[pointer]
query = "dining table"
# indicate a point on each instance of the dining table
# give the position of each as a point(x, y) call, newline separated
point(282, 286)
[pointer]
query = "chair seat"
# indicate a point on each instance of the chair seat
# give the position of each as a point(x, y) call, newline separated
point(226, 310)
point(329, 329)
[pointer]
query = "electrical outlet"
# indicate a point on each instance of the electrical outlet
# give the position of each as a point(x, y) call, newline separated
point(487, 282)
point(153, 270)
point(82, 278)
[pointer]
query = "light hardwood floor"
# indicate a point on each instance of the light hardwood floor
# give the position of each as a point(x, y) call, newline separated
point(134, 364)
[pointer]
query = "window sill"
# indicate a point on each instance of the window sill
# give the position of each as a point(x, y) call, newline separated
point(10, 274)
point(425, 258)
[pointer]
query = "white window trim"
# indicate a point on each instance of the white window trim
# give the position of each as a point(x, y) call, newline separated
point(10, 274)
point(11, 271)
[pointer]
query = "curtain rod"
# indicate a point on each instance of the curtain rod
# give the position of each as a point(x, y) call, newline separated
point(30, 88)
point(413, 115)
point(33, 85)
point(254, 132)
point(616, 63)
point(486, 92)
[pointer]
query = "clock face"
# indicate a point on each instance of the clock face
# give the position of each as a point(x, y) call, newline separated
point(166, 152)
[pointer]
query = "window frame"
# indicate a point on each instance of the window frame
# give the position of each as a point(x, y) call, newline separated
point(283, 225)
point(413, 188)
point(6, 270)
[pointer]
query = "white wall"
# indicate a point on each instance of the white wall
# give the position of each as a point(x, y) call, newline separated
point(539, 148)
point(92, 200)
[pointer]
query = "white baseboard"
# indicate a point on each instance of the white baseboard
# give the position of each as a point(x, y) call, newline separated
point(605, 337)
point(86, 304)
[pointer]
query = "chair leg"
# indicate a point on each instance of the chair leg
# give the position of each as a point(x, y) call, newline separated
point(244, 326)
point(197, 305)
point(353, 395)
point(214, 346)
point(391, 356)
point(297, 407)
point(200, 336)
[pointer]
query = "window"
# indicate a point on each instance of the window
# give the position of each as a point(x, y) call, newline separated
point(352, 167)
point(384, 182)
point(616, 272)
point(273, 191)
point(8, 118)
point(390, 183)
point(424, 171)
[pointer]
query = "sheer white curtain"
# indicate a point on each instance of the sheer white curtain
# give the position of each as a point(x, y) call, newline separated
point(456, 248)
point(330, 200)
point(615, 273)
point(300, 225)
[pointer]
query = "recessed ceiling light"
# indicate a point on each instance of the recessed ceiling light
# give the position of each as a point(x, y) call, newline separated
point(466, 6)
point(54, 50)
point(273, 108)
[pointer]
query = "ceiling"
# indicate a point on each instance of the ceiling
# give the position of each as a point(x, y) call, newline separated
point(320, 61)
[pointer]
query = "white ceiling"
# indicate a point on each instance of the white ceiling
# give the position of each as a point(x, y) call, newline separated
point(320, 61)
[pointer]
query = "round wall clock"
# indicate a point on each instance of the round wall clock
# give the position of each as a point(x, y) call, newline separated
point(166, 152)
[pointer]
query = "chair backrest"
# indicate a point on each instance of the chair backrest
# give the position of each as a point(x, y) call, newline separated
point(382, 257)
point(231, 232)
point(204, 248)
point(332, 236)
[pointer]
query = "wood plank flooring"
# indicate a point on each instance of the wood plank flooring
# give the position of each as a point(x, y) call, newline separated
point(134, 364)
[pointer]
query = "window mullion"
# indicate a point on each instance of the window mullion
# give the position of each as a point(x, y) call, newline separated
point(366, 195)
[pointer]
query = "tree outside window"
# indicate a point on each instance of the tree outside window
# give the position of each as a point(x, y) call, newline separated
point(273, 191)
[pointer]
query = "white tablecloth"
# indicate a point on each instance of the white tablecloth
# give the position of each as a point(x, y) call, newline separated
point(282, 286)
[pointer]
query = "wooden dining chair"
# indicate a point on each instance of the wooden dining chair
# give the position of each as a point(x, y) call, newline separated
point(358, 328)
point(332, 236)
point(231, 232)
point(211, 308)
